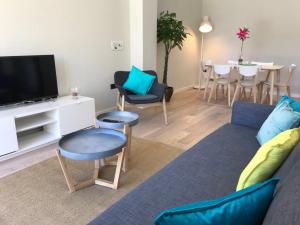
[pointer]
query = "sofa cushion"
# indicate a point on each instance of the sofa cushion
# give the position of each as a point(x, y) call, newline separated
point(281, 119)
point(285, 207)
point(236, 208)
point(269, 158)
point(209, 170)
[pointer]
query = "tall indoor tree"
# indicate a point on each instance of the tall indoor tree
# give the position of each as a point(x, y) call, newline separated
point(171, 33)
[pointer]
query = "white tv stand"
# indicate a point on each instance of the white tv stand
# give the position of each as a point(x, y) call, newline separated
point(28, 127)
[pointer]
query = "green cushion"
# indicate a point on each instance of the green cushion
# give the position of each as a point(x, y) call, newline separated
point(246, 207)
point(269, 158)
point(139, 82)
point(281, 119)
point(292, 102)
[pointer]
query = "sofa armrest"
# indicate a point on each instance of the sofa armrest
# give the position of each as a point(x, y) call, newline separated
point(250, 114)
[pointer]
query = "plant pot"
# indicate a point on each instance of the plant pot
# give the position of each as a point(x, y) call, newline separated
point(169, 93)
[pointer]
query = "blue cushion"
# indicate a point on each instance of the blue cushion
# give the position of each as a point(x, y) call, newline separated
point(281, 119)
point(247, 207)
point(139, 82)
point(293, 103)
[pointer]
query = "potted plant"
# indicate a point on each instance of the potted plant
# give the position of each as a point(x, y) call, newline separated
point(243, 35)
point(171, 33)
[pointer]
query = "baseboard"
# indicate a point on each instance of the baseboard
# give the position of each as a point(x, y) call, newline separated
point(181, 89)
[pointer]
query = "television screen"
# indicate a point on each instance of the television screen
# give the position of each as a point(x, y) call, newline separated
point(27, 78)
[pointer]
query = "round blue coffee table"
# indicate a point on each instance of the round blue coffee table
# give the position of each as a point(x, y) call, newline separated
point(120, 120)
point(92, 144)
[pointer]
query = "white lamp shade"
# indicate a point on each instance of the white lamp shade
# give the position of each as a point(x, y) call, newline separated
point(205, 26)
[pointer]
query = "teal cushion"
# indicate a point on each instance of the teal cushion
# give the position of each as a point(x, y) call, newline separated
point(293, 103)
point(247, 207)
point(281, 119)
point(139, 82)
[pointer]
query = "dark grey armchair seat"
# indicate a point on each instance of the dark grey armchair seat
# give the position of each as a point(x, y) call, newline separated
point(156, 95)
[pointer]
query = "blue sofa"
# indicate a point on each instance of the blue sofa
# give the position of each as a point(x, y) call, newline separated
point(209, 170)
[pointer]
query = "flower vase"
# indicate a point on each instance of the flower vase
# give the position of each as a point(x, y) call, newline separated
point(241, 60)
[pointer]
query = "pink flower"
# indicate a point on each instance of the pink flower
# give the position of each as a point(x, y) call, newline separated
point(243, 34)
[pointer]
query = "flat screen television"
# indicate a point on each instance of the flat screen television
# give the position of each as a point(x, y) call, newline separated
point(27, 79)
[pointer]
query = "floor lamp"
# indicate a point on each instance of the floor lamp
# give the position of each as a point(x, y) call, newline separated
point(204, 28)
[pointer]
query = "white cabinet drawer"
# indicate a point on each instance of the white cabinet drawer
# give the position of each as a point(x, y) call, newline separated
point(8, 136)
point(76, 116)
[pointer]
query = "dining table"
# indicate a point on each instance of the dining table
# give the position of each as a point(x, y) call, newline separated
point(273, 75)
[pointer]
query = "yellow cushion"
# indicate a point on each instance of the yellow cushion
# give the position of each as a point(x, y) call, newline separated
point(269, 158)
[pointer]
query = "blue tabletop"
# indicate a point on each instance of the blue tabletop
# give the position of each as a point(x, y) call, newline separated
point(92, 144)
point(117, 119)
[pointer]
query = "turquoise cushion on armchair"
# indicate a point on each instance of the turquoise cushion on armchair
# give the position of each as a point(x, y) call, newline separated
point(139, 82)
point(246, 207)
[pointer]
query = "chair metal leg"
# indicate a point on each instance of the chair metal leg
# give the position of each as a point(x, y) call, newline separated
point(165, 110)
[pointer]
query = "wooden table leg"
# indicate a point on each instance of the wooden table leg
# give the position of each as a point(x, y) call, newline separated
point(272, 86)
point(63, 165)
point(115, 183)
point(72, 185)
point(128, 132)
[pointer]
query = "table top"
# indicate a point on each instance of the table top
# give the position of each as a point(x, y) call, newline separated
point(117, 119)
point(92, 144)
point(274, 67)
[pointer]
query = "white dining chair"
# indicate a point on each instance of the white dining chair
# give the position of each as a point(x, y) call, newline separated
point(247, 80)
point(279, 85)
point(206, 67)
point(262, 74)
point(221, 77)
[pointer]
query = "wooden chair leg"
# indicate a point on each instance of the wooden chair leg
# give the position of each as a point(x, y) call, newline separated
point(254, 94)
point(216, 92)
point(123, 103)
point(235, 94)
point(165, 110)
point(212, 91)
point(263, 95)
point(288, 89)
point(228, 93)
point(278, 93)
point(206, 89)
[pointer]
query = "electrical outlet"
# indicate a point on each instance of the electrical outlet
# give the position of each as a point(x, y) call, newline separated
point(117, 45)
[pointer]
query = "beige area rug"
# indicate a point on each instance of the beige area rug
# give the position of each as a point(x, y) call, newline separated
point(39, 196)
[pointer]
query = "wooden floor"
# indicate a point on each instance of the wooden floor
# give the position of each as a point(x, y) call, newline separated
point(190, 120)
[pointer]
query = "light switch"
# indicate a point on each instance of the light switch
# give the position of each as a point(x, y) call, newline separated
point(117, 45)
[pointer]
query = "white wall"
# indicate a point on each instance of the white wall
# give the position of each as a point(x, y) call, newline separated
point(143, 23)
point(183, 65)
point(274, 31)
point(78, 33)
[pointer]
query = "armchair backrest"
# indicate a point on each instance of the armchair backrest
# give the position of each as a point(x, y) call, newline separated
point(120, 77)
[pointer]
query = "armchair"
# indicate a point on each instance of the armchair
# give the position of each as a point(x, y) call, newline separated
point(155, 97)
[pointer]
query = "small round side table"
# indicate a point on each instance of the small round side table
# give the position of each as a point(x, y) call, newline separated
point(92, 144)
point(120, 120)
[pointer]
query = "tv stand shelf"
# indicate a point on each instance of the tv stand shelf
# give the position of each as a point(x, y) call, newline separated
point(30, 127)
point(35, 121)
